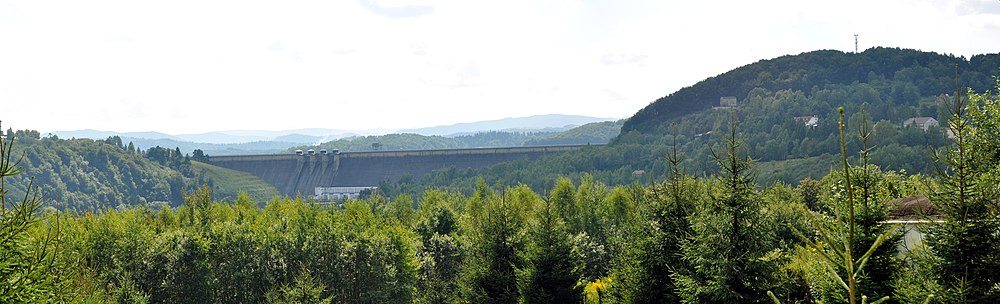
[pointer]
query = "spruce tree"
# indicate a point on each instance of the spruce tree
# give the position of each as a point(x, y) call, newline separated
point(873, 216)
point(496, 237)
point(440, 256)
point(27, 262)
point(966, 239)
point(841, 240)
point(870, 219)
point(729, 257)
point(552, 271)
point(563, 198)
point(646, 269)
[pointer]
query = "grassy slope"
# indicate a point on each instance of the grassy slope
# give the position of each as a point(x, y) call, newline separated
point(791, 171)
point(228, 183)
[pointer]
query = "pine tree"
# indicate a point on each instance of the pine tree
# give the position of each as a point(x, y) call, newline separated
point(839, 239)
point(552, 271)
point(646, 269)
point(26, 264)
point(966, 238)
point(563, 197)
point(859, 217)
point(872, 220)
point(729, 256)
point(496, 236)
point(441, 255)
point(304, 290)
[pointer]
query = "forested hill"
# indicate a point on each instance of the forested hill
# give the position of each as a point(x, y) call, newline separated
point(89, 175)
point(786, 114)
point(929, 74)
point(93, 175)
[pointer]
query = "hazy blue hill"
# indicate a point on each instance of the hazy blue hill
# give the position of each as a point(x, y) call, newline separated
point(591, 133)
point(99, 135)
point(298, 138)
point(319, 132)
point(186, 147)
point(388, 142)
point(545, 123)
point(930, 73)
point(221, 138)
point(495, 133)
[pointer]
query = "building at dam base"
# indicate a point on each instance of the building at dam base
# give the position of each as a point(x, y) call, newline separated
point(339, 193)
point(346, 174)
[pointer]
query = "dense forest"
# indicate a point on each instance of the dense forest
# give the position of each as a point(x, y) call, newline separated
point(900, 76)
point(592, 133)
point(91, 175)
point(714, 239)
point(87, 175)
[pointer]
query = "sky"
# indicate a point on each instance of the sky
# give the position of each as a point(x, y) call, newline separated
point(183, 67)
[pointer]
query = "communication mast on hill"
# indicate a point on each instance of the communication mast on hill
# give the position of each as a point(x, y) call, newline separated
point(855, 43)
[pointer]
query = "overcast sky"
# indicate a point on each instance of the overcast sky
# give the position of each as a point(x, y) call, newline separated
point(199, 66)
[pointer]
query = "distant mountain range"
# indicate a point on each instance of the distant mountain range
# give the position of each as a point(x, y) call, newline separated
point(537, 123)
point(300, 136)
point(263, 142)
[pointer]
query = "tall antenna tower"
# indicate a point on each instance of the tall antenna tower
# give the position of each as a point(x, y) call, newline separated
point(855, 43)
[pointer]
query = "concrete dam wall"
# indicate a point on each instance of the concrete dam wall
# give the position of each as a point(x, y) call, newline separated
point(300, 174)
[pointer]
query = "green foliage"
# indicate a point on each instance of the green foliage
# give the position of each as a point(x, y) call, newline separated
point(652, 253)
point(228, 184)
point(730, 252)
point(497, 241)
point(563, 199)
point(304, 290)
point(858, 225)
point(87, 175)
point(678, 239)
point(26, 262)
point(441, 254)
point(903, 74)
point(916, 284)
point(198, 155)
point(872, 188)
point(592, 133)
point(380, 256)
point(552, 271)
point(246, 254)
point(165, 157)
point(966, 239)
point(505, 247)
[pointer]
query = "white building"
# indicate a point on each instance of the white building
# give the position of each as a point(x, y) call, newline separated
point(727, 101)
point(339, 193)
point(921, 122)
point(810, 121)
